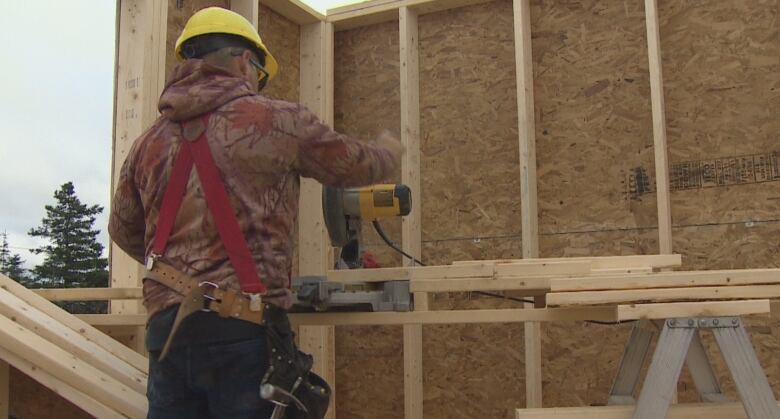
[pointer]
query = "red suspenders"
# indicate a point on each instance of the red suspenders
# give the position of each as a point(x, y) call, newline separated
point(197, 153)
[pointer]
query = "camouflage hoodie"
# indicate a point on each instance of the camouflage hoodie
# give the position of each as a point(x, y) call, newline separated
point(261, 147)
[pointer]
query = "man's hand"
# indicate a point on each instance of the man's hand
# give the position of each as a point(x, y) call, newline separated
point(388, 141)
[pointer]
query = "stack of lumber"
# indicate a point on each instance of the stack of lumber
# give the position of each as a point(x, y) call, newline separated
point(70, 357)
point(673, 294)
point(531, 276)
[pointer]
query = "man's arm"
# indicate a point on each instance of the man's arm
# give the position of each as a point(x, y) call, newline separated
point(126, 224)
point(337, 160)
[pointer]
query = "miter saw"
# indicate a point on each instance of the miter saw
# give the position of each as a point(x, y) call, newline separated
point(344, 210)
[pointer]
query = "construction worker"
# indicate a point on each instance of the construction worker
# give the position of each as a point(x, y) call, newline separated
point(210, 282)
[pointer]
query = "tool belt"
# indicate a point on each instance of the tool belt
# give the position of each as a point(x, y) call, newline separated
point(205, 296)
point(289, 382)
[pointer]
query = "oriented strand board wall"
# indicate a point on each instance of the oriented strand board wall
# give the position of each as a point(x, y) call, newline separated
point(177, 18)
point(596, 177)
point(283, 39)
point(30, 400)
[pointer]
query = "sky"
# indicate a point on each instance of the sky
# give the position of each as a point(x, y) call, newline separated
point(56, 110)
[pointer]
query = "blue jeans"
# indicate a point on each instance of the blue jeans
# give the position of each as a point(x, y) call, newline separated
point(215, 380)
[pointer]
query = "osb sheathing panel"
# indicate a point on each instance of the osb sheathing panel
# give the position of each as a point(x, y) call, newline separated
point(28, 400)
point(369, 364)
point(721, 63)
point(283, 39)
point(593, 117)
point(367, 101)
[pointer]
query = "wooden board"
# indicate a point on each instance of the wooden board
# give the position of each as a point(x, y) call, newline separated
point(663, 295)
point(457, 316)
point(294, 10)
point(528, 286)
point(699, 309)
point(378, 11)
point(88, 294)
point(669, 280)
point(597, 262)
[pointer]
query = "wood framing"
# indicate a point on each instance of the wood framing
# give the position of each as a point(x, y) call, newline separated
point(315, 257)
point(659, 128)
point(295, 10)
point(528, 205)
point(411, 232)
point(140, 76)
point(249, 9)
point(597, 262)
point(378, 11)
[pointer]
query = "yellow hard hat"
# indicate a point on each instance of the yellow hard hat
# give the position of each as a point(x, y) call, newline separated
point(216, 20)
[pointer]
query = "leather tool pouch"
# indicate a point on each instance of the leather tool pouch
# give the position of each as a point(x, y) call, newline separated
point(290, 370)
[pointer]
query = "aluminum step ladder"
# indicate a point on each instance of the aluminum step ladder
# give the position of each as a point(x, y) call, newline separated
point(680, 343)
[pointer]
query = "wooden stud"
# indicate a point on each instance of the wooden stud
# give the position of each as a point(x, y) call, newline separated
point(698, 309)
point(83, 328)
point(530, 286)
point(140, 76)
point(411, 234)
point(659, 128)
point(528, 204)
point(316, 92)
point(746, 292)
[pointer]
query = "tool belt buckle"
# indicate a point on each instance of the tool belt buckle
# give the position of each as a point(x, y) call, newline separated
point(151, 260)
point(207, 298)
point(255, 302)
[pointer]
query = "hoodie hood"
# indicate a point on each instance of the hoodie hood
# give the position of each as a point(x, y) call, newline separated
point(196, 88)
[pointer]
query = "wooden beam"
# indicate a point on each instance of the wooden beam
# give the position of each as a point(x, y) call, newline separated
point(663, 295)
point(699, 309)
point(249, 9)
point(315, 257)
point(103, 320)
point(528, 205)
point(368, 275)
point(659, 127)
point(140, 76)
point(90, 294)
point(71, 370)
point(676, 411)
point(530, 286)
point(295, 10)
point(378, 11)
point(124, 353)
point(66, 391)
point(598, 262)
point(71, 341)
point(459, 316)
point(411, 232)
point(669, 280)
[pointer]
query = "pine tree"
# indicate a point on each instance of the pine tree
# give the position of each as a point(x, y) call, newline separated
point(11, 264)
point(73, 255)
